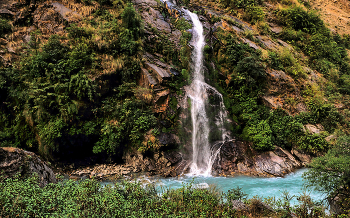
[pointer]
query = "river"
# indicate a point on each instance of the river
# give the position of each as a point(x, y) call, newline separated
point(253, 186)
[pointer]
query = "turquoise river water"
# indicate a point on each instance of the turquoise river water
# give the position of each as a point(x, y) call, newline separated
point(253, 186)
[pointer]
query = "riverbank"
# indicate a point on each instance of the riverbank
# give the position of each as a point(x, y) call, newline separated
point(87, 198)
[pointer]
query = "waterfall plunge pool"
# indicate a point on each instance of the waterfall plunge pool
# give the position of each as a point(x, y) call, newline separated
point(253, 186)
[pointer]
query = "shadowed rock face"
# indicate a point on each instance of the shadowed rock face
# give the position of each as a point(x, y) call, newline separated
point(236, 157)
point(14, 160)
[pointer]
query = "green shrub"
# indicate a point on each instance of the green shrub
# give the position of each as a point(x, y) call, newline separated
point(132, 21)
point(240, 3)
point(235, 194)
point(125, 123)
point(255, 13)
point(182, 24)
point(300, 19)
point(260, 135)
point(75, 32)
point(5, 27)
point(251, 71)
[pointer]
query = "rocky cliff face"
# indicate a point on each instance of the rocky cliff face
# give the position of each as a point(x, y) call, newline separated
point(17, 161)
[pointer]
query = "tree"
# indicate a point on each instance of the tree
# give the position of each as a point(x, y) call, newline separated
point(132, 21)
point(331, 173)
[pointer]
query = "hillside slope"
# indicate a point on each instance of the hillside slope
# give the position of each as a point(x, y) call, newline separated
point(105, 82)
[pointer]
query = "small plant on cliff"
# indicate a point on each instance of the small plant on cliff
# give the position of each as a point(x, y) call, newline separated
point(5, 27)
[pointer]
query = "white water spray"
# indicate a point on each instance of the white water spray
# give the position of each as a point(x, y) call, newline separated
point(204, 154)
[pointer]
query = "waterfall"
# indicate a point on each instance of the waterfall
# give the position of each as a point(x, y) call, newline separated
point(204, 154)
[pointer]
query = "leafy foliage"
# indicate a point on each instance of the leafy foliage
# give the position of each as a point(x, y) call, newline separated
point(240, 3)
point(331, 173)
point(5, 27)
point(87, 198)
point(53, 97)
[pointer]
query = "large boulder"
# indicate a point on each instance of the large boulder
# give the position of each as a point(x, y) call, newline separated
point(15, 160)
point(237, 157)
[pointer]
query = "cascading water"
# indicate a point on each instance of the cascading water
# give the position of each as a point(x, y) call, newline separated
point(204, 154)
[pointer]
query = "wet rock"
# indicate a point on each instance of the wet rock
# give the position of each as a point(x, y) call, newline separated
point(304, 158)
point(168, 139)
point(236, 157)
point(275, 163)
point(15, 160)
point(173, 157)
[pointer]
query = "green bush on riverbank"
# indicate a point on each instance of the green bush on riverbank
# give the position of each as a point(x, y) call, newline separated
point(87, 198)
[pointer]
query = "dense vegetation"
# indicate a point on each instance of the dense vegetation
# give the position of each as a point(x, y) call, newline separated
point(50, 103)
point(331, 173)
point(246, 78)
point(86, 198)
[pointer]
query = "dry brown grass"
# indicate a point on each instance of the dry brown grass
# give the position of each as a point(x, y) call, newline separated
point(336, 14)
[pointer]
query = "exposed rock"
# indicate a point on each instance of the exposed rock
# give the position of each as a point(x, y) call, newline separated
point(276, 163)
point(146, 79)
point(174, 157)
point(161, 100)
point(330, 138)
point(175, 37)
point(251, 44)
point(237, 158)
point(301, 107)
point(314, 129)
point(15, 160)
point(48, 20)
point(156, 20)
point(284, 44)
point(161, 96)
point(145, 3)
point(275, 28)
point(268, 43)
point(168, 139)
point(6, 13)
point(162, 163)
point(160, 73)
point(239, 205)
point(304, 158)
point(272, 102)
point(66, 13)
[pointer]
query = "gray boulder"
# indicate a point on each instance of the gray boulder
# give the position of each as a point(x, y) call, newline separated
point(15, 160)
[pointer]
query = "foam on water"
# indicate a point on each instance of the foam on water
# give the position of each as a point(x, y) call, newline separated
point(203, 152)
